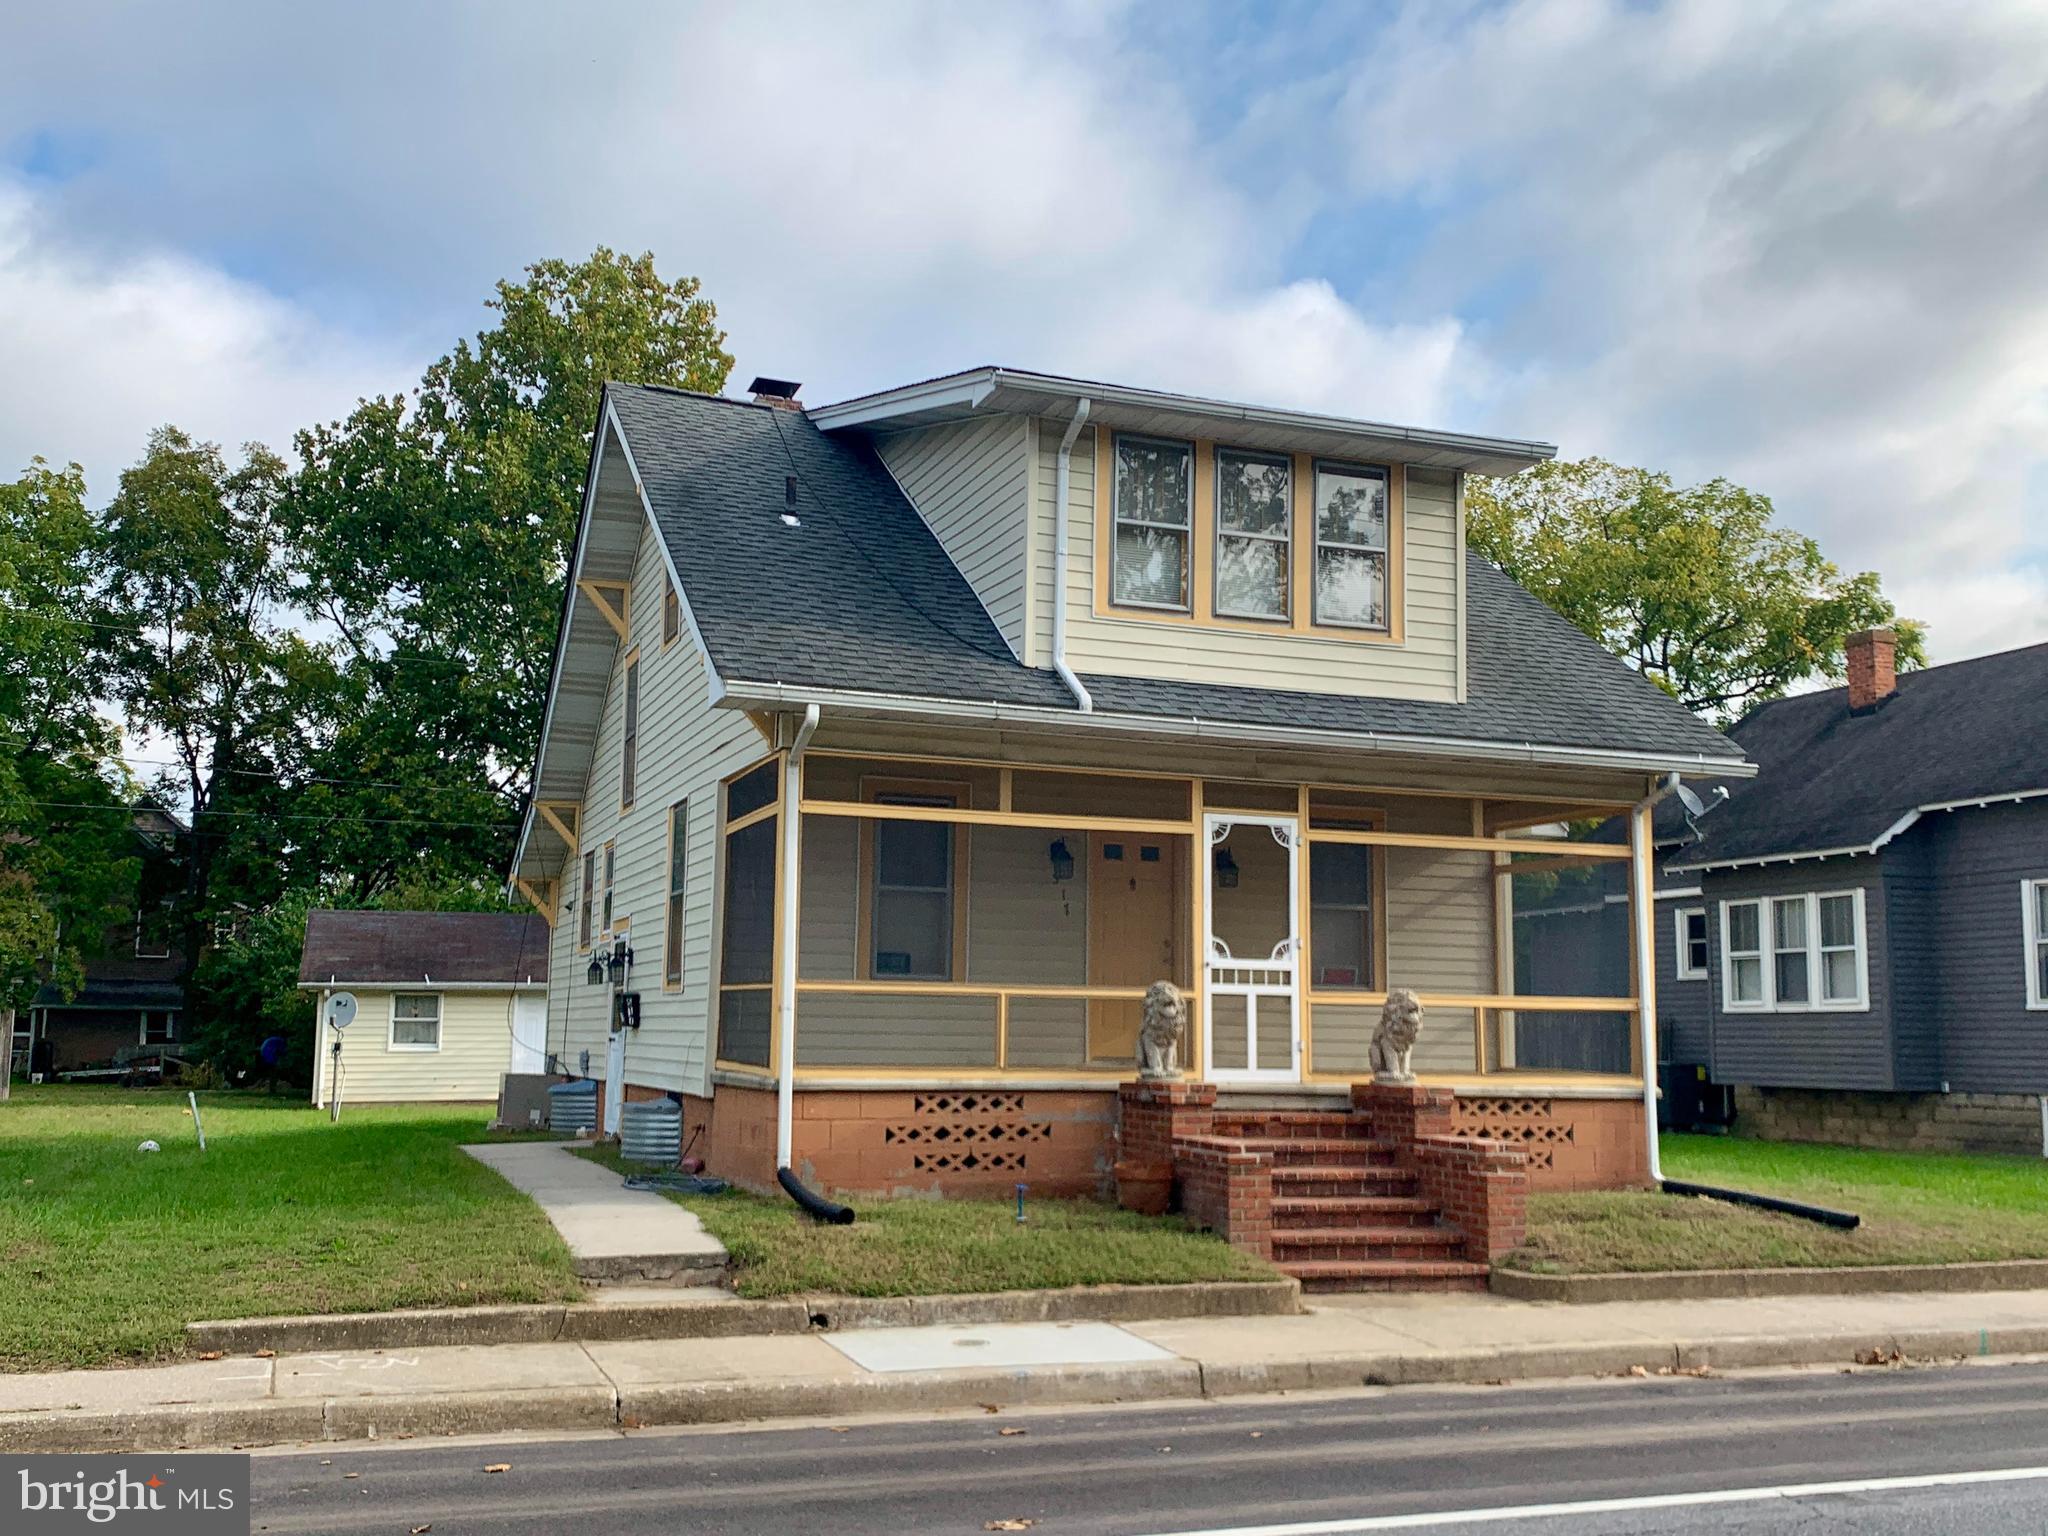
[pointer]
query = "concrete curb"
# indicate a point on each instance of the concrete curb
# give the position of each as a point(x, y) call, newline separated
point(690, 1319)
point(596, 1407)
point(1705, 1284)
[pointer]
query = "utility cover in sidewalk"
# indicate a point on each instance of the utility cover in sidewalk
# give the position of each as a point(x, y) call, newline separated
point(967, 1346)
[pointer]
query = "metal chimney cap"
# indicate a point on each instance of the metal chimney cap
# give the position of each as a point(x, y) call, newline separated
point(774, 389)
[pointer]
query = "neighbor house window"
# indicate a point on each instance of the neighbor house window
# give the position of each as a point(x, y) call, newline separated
point(1351, 546)
point(913, 894)
point(671, 612)
point(416, 1021)
point(152, 935)
point(159, 1028)
point(611, 869)
point(589, 911)
point(678, 866)
point(1742, 945)
point(1254, 548)
point(1691, 925)
point(1153, 506)
point(1340, 915)
point(1817, 955)
point(2034, 895)
point(630, 758)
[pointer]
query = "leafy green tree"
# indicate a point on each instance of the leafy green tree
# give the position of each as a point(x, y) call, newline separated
point(1694, 586)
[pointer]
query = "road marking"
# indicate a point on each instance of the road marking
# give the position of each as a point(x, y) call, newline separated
point(1622, 1506)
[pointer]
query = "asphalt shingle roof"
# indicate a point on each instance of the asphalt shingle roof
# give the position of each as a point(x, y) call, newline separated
point(861, 596)
point(408, 948)
point(1827, 779)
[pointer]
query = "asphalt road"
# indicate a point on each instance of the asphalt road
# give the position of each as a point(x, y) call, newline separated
point(1357, 1461)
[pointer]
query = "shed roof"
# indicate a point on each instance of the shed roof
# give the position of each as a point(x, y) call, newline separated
point(424, 948)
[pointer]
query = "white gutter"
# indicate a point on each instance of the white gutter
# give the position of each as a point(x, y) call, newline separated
point(759, 695)
point(1062, 515)
point(785, 947)
point(1643, 908)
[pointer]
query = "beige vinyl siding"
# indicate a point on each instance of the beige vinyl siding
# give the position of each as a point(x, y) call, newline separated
point(1425, 665)
point(476, 1048)
point(686, 748)
point(1439, 927)
point(968, 481)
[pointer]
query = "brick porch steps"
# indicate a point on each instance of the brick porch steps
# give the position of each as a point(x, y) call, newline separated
point(1271, 1125)
point(1343, 1183)
point(1315, 1244)
point(1352, 1210)
point(1322, 1276)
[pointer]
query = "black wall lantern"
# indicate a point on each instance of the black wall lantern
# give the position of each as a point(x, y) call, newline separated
point(1226, 869)
point(1062, 859)
point(617, 964)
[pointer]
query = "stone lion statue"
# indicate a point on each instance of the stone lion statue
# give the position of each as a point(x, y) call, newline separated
point(1394, 1041)
point(1159, 1034)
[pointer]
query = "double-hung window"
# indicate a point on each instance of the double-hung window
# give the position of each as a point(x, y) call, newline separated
point(913, 894)
point(629, 771)
point(678, 872)
point(1153, 505)
point(1794, 954)
point(587, 916)
point(671, 612)
point(416, 1021)
point(611, 869)
point(1340, 915)
point(1691, 926)
point(2034, 918)
point(1351, 546)
point(1254, 545)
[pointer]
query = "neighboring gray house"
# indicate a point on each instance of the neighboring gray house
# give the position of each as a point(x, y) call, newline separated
point(1857, 943)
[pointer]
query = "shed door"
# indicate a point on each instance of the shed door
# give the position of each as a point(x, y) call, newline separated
point(529, 1032)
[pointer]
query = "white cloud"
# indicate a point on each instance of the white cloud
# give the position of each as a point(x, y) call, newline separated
point(98, 353)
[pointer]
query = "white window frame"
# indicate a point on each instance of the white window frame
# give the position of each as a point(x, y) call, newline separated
point(391, 1040)
point(1186, 529)
point(2037, 941)
point(1684, 970)
point(149, 954)
point(167, 1021)
point(1815, 1001)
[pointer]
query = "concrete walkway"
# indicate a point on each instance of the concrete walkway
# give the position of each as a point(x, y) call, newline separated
point(1342, 1342)
point(614, 1233)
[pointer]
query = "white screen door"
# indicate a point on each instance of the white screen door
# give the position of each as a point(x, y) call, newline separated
point(1251, 943)
point(529, 1032)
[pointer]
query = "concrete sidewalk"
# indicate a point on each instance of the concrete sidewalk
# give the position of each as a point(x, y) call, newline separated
point(1340, 1342)
point(614, 1233)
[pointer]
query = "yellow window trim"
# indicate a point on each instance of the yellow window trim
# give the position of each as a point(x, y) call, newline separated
point(1302, 548)
point(629, 746)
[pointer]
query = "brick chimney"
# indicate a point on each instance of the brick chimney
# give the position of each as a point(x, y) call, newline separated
point(1873, 677)
point(780, 393)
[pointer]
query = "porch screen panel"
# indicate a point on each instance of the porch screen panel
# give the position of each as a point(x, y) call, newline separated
point(828, 928)
point(1571, 939)
point(1025, 927)
point(1340, 1038)
point(747, 943)
point(1051, 1033)
point(1439, 906)
point(842, 1029)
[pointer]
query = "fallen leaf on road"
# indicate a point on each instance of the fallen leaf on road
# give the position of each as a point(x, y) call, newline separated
point(1013, 1431)
point(351, 1474)
point(840, 1429)
point(629, 1422)
point(499, 1466)
point(421, 1530)
point(1638, 1370)
point(990, 1408)
point(266, 1354)
point(1008, 1525)
point(212, 1354)
point(1258, 1434)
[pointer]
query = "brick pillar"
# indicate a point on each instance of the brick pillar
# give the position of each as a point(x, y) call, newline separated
point(1154, 1113)
point(1480, 1187)
point(1400, 1114)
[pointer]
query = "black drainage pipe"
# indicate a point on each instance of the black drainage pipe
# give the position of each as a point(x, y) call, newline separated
point(1848, 1221)
point(819, 1208)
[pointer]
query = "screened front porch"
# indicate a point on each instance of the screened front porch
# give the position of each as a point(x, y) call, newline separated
point(962, 920)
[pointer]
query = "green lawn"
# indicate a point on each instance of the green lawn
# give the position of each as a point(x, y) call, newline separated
point(934, 1247)
point(106, 1252)
point(1917, 1208)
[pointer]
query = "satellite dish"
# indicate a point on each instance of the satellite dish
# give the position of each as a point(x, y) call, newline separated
point(1694, 805)
point(340, 1011)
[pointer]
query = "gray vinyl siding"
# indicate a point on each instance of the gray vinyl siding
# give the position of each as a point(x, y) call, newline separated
point(970, 483)
point(1819, 1048)
point(686, 749)
point(1684, 1008)
point(1913, 899)
point(1992, 1043)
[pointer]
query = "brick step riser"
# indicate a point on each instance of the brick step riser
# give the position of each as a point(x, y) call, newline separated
point(1342, 1183)
point(1388, 1283)
point(1289, 1215)
point(1364, 1154)
point(1264, 1128)
point(1286, 1252)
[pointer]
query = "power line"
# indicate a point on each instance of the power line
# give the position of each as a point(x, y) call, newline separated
point(386, 821)
point(137, 628)
point(280, 774)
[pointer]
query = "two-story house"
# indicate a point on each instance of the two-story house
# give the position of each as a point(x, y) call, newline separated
point(1857, 942)
point(905, 741)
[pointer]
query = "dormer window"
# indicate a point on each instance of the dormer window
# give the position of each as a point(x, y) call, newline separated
point(1351, 546)
point(1154, 510)
point(1254, 543)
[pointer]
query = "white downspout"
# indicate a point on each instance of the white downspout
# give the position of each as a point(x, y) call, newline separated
point(1642, 877)
point(1059, 560)
point(785, 947)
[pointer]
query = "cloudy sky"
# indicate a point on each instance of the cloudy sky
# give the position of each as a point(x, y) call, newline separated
point(1804, 245)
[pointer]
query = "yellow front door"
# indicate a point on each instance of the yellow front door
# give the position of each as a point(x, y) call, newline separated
point(1134, 933)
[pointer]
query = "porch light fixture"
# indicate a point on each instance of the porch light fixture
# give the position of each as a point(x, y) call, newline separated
point(1062, 859)
point(595, 975)
point(1226, 869)
point(617, 964)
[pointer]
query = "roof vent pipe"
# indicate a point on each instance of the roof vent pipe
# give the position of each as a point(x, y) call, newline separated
point(1062, 513)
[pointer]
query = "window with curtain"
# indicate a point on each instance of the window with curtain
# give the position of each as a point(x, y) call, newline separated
point(1351, 546)
point(1254, 544)
point(1742, 943)
point(1153, 503)
point(1790, 982)
point(678, 868)
point(416, 1021)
